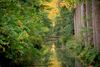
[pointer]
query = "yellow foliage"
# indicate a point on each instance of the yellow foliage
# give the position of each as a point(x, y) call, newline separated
point(68, 4)
point(62, 4)
point(52, 14)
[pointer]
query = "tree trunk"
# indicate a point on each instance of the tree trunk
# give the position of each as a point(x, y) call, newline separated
point(96, 23)
point(89, 21)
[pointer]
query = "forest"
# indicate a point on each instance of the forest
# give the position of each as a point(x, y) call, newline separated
point(49, 33)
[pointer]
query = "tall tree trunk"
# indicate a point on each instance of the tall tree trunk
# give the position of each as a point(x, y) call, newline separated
point(89, 21)
point(96, 23)
point(79, 24)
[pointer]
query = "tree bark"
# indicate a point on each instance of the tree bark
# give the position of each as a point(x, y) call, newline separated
point(89, 22)
point(96, 23)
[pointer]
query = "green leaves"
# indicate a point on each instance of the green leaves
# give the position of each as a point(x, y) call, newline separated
point(22, 27)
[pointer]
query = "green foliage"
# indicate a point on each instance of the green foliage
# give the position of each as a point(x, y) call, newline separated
point(86, 54)
point(66, 57)
point(24, 25)
point(22, 29)
point(70, 4)
point(64, 29)
point(64, 25)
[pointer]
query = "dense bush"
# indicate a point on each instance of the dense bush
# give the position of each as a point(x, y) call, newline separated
point(23, 26)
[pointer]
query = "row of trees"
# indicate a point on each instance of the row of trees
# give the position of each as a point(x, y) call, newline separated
point(74, 26)
point(86, 27)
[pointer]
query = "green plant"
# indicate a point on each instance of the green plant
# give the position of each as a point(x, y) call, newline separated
point(22, 30)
